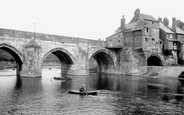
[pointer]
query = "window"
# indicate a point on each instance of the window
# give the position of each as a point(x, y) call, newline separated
point(147, 29)
point(145, 23)
point(152, 22)
point(118, 40)
point(146, 39)
point(167, 36)
point(160, 42)
point(118, 35)
point(153, 39)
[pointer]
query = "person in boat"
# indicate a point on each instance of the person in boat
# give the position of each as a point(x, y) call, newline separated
point(82, 89)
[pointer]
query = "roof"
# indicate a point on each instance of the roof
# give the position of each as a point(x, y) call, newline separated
point(165, 28)
point(147, 17)
point(130, 26)
point(142, 17)
point(118, 30)
point(32, 43)
point(179, 30)
point(139, 25)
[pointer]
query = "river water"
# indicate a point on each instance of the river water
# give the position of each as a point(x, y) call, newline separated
point(118, 95)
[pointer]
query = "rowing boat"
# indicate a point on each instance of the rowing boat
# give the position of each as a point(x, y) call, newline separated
point(83, 93)
point(62, 78)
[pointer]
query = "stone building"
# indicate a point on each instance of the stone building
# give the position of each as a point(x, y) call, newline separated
point(179, 34)
point(173, 38)
point(154, 40)
point(142, 35)
point(170, 43)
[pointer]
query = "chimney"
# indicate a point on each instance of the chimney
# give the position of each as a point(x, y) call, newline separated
point(122, 27)
point(174, 24)
point(137, 12)
point(178, 23)
point(160, 19)
point(166, 22)
point(136, 15)
point(181, 25)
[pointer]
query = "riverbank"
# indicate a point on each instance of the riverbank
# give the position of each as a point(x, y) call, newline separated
point(165, 71)
point(171, 71)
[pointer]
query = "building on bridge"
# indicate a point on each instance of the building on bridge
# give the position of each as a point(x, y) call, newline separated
point(159, 43)
point(142, 35)
point(143, 41)
point(173, 37)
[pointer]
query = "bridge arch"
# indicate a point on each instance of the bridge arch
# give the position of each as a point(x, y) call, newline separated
point(103, 59)
point(154, 60)
point(16, 54)
point(66, 58)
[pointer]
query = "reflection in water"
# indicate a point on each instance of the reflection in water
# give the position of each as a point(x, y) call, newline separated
point(165, 96)
point(18, 83)
point(102, 81)
point(118, 94)
point(180, 91)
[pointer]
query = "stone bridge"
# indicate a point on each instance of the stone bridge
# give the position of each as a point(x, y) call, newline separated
point(76, 55)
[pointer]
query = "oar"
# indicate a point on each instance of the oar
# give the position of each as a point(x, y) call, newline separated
point(86, 92)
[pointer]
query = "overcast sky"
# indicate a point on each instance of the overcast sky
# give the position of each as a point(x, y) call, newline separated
point(91, 19)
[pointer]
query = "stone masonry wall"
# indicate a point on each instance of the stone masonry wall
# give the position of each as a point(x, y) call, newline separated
point(76, 48)
point(132, 62)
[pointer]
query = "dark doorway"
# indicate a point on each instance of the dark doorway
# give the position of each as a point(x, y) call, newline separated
point(154, 61)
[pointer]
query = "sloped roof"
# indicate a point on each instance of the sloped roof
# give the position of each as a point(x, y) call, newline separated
point(139, 25)
point(142, 16)
point(147, 17)
point(32, 43)
point(130, 26)
point(118, 30)
point(164, 28)
point(179, 30)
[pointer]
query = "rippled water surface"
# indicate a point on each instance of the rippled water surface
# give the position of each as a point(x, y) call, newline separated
point(118, 95)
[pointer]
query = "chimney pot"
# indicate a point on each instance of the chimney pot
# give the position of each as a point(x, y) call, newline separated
point(160, 19)
point(137, 11)
point(178, 23)
point(123, 23)
point(166, 22)
point(174, 24)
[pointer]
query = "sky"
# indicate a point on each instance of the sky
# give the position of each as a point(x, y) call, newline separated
point(90, 19)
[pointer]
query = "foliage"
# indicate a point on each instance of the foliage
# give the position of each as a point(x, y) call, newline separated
point(5, 56)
